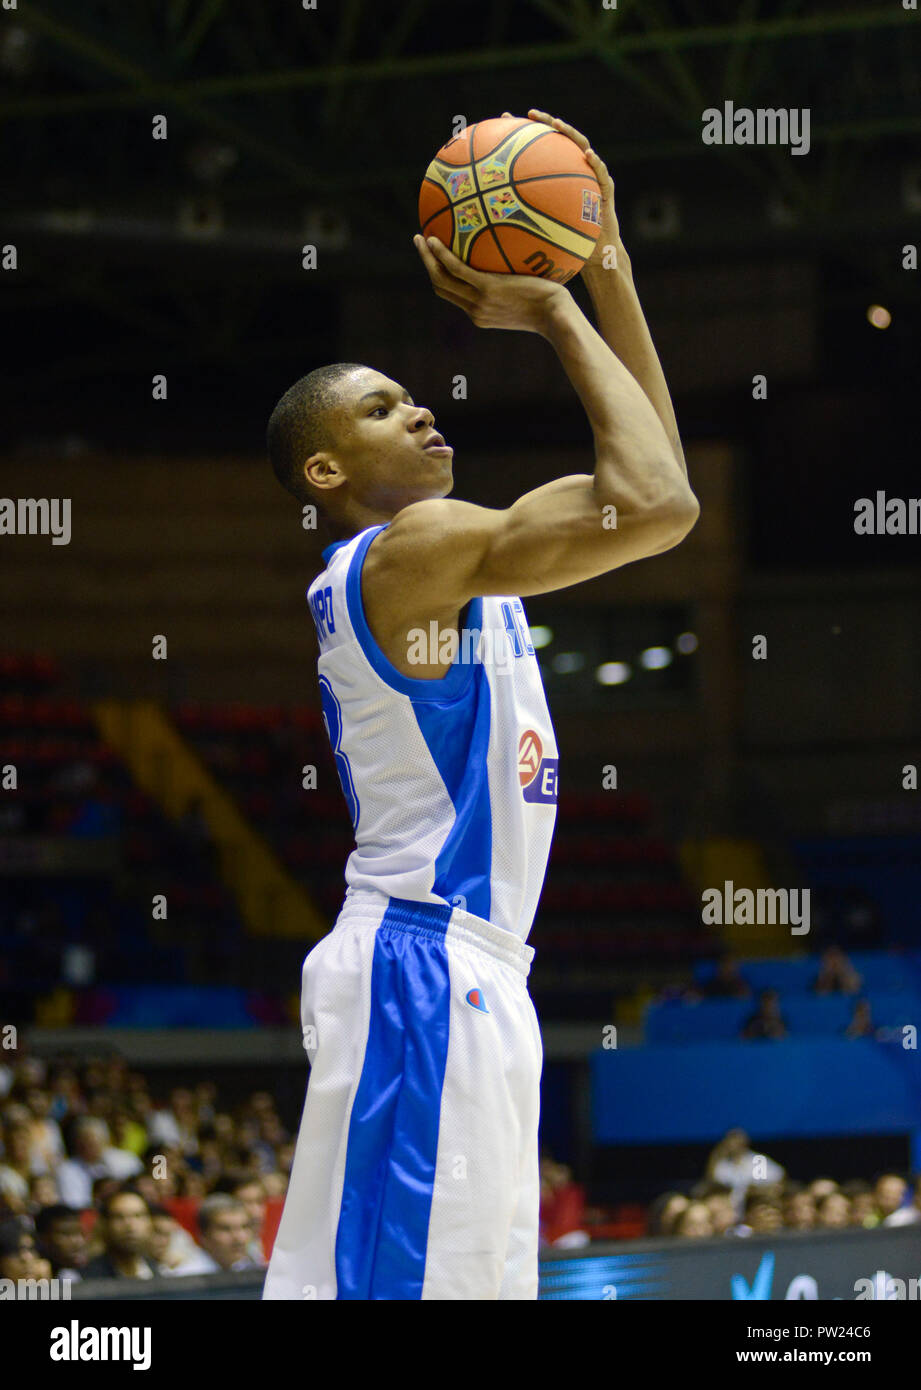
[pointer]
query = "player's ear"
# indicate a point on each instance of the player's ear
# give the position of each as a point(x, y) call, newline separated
point(322, 471)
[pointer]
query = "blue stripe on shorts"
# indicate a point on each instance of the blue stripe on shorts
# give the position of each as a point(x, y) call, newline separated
point(393, 1130)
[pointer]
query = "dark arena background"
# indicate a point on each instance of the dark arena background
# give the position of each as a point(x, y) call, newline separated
point(201, 203)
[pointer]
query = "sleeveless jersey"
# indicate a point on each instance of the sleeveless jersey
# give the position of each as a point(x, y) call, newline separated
point(451, 783)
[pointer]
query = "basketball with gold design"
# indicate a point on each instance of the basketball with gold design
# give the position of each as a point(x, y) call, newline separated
point(513, 196)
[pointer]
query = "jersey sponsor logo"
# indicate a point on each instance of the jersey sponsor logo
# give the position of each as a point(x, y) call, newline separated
point(529, 751)
point(537, 774)
point(475, 999)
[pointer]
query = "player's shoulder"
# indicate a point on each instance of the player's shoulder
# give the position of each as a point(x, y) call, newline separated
point(427, 532)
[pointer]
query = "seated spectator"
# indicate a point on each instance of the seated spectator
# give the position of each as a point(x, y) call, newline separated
point(16, 1170)
point(734, 1164)
point(62, 1240)
point(126, 1228)
point(908, 1215)
point(798, 1208)
point(275, 1184)
point(43, 1192)
point(861, 1024)
point(720, 1204)
point(766, 1023)
point(726, 982)
point(833, 1213)
point(93, 1157)
point(863, 1203)
point(127, 1132)
point(19, 1258)
point(763, 1216)
point(889, 1193)
point(821, 1187)
point(562, 1203)
point(836, 974)
point(694, 1221)
point(664, 1213)
point(252, 1194)
point(224, 1227)
point(176, 1126)
point(174, 1249)
point(47, 1143)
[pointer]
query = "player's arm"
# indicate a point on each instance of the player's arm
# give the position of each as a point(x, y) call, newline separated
point(637, 502)
point(608, 277)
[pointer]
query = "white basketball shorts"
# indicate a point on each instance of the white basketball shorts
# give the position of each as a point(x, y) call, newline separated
point(415, 1174)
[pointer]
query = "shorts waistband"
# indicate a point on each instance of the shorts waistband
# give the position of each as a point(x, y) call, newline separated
point(437, 920)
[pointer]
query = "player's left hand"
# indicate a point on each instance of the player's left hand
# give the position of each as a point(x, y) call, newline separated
point(610, 227)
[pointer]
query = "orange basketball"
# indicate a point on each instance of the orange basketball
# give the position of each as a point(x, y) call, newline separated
point(513, 196)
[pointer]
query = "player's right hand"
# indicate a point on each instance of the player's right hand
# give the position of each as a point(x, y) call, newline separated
point(490, 299)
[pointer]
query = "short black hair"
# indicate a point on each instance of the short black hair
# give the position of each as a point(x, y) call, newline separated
point(125, 1189)
point(13, 1231)
point(299, 424)
point(48, 1216)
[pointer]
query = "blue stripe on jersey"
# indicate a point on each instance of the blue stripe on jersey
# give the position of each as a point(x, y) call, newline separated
point(457, 736)
point(458, 673)
point(392, 1147)
point(453, 714)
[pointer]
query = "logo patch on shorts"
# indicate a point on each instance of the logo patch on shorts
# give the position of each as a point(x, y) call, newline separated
point(475, 998)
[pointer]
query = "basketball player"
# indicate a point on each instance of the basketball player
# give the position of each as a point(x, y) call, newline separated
point(415, 1174)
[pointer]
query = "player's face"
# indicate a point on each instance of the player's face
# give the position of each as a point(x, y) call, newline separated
point(386, 446)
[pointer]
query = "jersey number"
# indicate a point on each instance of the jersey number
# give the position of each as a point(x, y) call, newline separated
point(517, 632)
point(332, 718)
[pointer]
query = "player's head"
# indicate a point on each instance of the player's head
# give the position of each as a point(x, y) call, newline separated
point(350, 440)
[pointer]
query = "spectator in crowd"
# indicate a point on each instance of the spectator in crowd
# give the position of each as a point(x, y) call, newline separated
point(735, 1165)
point(126, 1228)
point(863, 1203)
point(562, 1205)
point(19, 1257)
point(694, 1222)
point(798, 1208)
point(93, 1157)
point(836, 974)
point(763, 1215)
point(127, 1132)
point(47, 1143)
point(908, 1215)
point(821, 1187)
point(224, 1226)
point(210, 1157)
point(276, 1184)
point(664, 1213)
point(861, 1024)
point(19, 1165)
point(62, 1240)
point(252, 1194)
point(833, 1212)
point(66, 1095)
point(890, 1191)
point(174, 1250)
point(176, 1125)
point(767, 1022)
point(43, 1192)
point(726, 982)
point(721, 1206)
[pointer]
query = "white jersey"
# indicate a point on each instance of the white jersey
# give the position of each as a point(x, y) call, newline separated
point(451, 783)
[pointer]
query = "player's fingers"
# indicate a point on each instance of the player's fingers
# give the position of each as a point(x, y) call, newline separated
point(446, 286)
point(562, 126)
point(599, 168)
point(452, 264)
